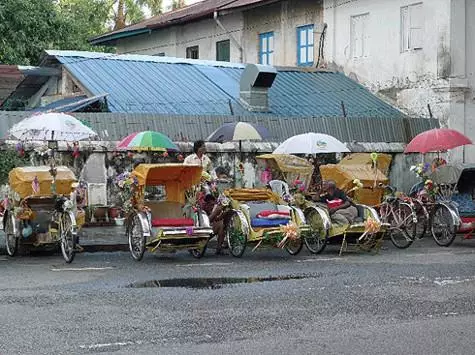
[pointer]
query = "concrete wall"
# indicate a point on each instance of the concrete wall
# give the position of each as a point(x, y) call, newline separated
point(173, 41)
point(439, 74)
point(282, 18)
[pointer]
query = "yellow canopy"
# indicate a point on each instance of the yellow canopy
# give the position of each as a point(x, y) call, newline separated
point(344, 175)
point(291, 166)
point(243, 195)
point(21, 179)
point(382, 163)
point(176, 178)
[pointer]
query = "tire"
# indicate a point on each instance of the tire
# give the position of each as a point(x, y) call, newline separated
point(294, 247)
point(400, 221)
point(136, 238)
point(68, 238)
point(199, 253)
point(237, 239)
point(442, 225)
point(318, 239)
point(422, 219)
point(11, 239)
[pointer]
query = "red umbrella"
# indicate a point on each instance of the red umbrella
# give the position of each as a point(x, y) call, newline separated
point(437, 140)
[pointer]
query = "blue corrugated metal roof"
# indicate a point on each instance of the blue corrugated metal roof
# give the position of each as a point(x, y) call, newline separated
point(148, 84)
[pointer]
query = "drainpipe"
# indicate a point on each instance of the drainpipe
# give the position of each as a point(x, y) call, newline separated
point(231, 37)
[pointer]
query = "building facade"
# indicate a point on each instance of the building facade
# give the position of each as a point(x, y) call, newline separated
point(282, 33)
point(420, 55)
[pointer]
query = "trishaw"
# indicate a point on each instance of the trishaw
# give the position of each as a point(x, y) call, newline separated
point(38, 211)
point(259, 216)
point(157, 219)
point(367, 230)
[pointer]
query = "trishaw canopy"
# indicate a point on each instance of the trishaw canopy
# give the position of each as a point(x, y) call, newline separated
point(21, 180)
point(383, 161)
point(344, 175)
point(176, 178)
point(243, 195)
point(290, 166)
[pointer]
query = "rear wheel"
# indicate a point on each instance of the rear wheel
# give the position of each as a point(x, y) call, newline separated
point(68, 238)
point(442, 225)
point(136, 237)
point(11, 238)
point(422, 219)
point(236, 236)
point(317, 239)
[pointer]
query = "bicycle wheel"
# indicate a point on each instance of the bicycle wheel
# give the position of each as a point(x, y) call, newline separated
point(11, 239)
point(68, 239)
point(443, 225)
point(422, 219)
point(236, 236)
point(317, 240)
point(293, 247)
point(136, 237)
point(400, 219)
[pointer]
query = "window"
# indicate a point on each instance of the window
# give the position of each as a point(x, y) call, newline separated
point(193, 52)
point(305, 45)
point(412, 27)
point(266, 48)
point(223, 52)
point(359, 36)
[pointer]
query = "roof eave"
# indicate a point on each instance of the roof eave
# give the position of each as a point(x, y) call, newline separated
point(111, 39)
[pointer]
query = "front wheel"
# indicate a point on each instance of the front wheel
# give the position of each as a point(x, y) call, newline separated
point(68, 238)
point(294, 247)
point(236, 236)
point(400, 220)
point(198, 253)
point(11, 238)
point(318, 238)
point(136, 237)
point(442, 225)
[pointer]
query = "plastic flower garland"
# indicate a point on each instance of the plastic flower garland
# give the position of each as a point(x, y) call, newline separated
point(421, 170)
point(128, 187)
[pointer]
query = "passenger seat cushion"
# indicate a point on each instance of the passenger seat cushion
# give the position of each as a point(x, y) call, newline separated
point(273, 215)
point(264, 222)
point(256, 207)
point(172, 222)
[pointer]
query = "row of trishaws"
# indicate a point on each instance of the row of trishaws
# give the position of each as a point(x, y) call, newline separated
point(41, 211)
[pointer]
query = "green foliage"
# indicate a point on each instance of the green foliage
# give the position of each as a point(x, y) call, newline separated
point(10, 159)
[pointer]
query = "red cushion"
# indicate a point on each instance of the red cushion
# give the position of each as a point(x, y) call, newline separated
point(468, 224)
point(334, 203)
point(172, 222)
point(264, 214)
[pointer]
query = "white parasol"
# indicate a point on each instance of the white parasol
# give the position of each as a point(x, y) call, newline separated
point(311, 143)
point(52, 126)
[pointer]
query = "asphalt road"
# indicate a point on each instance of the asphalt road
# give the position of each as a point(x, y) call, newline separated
point(415, 301)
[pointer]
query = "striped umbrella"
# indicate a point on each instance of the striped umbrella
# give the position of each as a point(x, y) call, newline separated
point(147, 140)
point(238, 131)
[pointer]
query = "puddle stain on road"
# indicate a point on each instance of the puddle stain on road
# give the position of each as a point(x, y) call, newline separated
point(213, 282)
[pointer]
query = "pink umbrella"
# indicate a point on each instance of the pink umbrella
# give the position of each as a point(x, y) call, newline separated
point(437, 140)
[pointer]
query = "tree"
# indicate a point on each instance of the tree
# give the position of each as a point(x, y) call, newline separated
point(132, 11)
point(26, 28)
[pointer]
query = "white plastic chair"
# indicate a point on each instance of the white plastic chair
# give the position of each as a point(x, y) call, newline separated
point(279, 187)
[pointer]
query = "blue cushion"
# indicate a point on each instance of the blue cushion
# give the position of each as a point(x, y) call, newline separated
point(263, 222)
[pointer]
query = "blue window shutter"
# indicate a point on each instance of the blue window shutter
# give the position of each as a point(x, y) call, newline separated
point(265, 49)
point(305, 45)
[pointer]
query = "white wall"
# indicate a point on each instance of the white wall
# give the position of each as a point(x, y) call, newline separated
point(403, 75)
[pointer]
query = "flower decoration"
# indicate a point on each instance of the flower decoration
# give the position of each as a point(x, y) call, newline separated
point(357, 185)
point(20, 148)
point(430, 187)
point(289, 231)
point(421, 170)
point(165, 154)
point(371, 226)
point(180, 157)
point(297, 186)
point(128, 187)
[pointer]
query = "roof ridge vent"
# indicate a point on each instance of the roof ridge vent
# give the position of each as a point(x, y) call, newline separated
point(256, 80)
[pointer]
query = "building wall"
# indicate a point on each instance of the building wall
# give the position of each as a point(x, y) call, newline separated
point(173, 41)
point(282, 18)
point(438, 74)
point(408, 78)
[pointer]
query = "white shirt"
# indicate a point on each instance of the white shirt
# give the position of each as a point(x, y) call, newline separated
point(205, 162)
